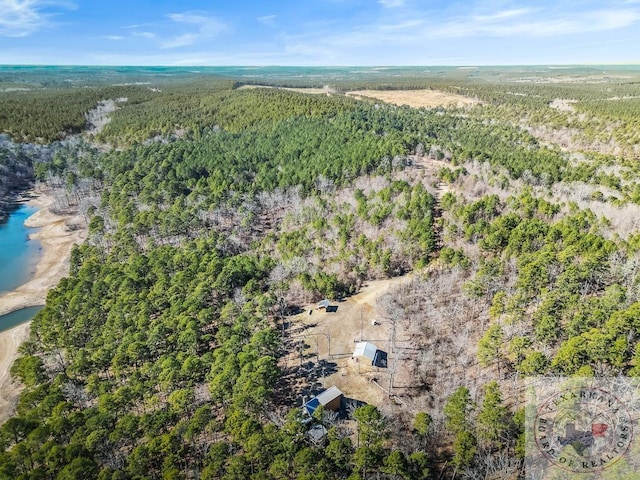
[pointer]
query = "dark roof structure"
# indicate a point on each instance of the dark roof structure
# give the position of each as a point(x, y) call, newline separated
point(330, 399)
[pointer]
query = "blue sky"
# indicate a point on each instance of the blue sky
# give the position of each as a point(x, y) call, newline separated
point(318, 32)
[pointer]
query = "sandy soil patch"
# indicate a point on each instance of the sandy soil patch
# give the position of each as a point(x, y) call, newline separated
point(417, 98)
point(10, 340)
point(56, 240)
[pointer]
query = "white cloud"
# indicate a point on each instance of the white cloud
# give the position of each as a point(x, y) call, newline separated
point(183, 40)
point(115, 38)
point(402, 26)
point(519, 22)
point(20, 18)
point(391, 3)
point(418, 35)
point(149, 35)
point(269, 20)
point(206, 27)
point(502, 15)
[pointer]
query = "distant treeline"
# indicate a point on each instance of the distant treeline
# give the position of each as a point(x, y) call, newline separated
point(35, 109)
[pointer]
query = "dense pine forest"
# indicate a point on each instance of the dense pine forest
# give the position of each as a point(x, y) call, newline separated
point(217, 214)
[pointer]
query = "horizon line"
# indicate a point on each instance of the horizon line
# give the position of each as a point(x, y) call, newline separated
point(461, 65)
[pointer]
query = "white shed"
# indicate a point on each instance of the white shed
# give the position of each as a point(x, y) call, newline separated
point(366, 350)
point(323, 304)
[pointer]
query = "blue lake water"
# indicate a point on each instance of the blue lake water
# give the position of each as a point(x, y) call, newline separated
point(18, 254)
point(17, 317)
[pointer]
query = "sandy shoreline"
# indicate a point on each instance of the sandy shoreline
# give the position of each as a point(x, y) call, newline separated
point(10, 340)
point(56, 242)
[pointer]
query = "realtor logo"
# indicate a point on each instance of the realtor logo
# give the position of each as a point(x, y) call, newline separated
point(579, 426)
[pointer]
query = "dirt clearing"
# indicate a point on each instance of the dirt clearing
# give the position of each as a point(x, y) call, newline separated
point(417, 98)
point(323, 344)
point(414, 98)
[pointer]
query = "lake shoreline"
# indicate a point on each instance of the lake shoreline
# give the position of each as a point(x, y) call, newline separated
point(10, 341)
point(56, 241)
point(18, 255)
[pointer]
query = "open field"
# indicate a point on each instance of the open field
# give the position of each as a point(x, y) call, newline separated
point(417, 98)
point(424, 98)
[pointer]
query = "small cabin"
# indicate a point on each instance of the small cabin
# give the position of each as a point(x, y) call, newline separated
point(329, 399)
point(323, 304)
point(369, 351)
point(366, 350)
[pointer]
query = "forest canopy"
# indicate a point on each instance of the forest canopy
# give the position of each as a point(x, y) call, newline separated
point(216, 215)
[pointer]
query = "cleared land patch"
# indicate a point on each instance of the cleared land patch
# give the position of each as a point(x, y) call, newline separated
point(414, 98)
point(417, 98)
point(327, 339)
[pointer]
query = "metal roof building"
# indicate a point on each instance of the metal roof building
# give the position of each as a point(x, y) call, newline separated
point(330, 399)
point(324, 304)
point(366, 350)
point(371, 352)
